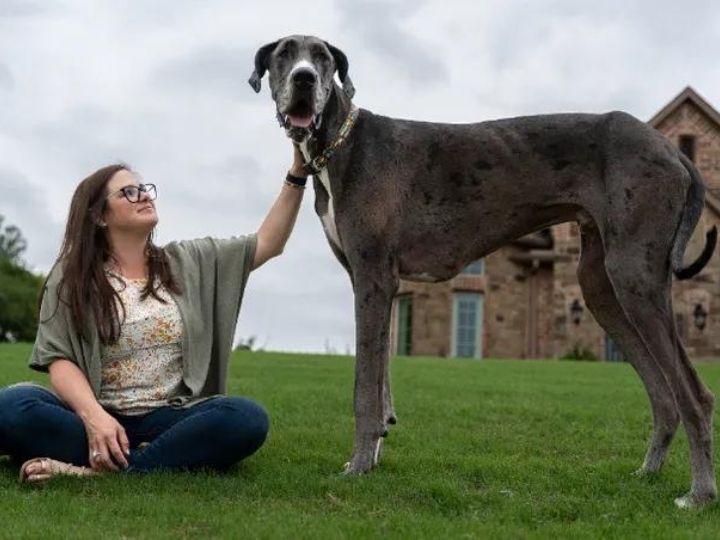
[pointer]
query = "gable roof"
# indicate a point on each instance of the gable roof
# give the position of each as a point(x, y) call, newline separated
point(689, 94)
point(712, 202)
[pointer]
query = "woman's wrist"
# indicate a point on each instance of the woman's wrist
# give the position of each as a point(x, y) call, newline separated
point(89, 413)
point(297, 169)
point(295, 180)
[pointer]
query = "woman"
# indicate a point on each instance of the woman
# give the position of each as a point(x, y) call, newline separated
point(136, 339)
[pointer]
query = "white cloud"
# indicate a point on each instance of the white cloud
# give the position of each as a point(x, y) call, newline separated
point(382, 28)
point(24, 205)
point(6, 80)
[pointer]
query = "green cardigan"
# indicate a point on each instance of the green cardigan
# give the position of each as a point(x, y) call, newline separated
point(211, 274)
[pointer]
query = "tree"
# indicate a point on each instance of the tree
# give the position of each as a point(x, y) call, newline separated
point(19, 288)
point(12, 242)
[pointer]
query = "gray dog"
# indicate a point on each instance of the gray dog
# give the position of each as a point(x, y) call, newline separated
point(419, 201)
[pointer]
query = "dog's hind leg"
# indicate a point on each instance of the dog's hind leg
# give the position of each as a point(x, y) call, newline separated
point(702, 453)
point(642, 286)
point(601, 301)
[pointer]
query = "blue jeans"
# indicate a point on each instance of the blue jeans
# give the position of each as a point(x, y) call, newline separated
point(213, 434)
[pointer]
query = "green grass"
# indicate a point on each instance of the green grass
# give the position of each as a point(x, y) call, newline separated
point(499, 449)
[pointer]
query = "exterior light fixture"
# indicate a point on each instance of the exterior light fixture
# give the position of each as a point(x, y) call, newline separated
point(576, 311)
point(700, 317)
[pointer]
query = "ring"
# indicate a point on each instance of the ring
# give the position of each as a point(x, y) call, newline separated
point(95, 454)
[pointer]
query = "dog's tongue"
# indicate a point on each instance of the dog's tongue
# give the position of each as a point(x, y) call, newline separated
point(301, 121)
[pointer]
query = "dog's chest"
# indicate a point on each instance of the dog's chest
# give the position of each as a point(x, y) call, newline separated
point(328, 219)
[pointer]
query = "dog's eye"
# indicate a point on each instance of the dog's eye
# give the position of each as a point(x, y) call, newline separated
point(321, 57)
point(282, 53)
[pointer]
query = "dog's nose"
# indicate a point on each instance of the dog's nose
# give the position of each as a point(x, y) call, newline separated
point(304, 78)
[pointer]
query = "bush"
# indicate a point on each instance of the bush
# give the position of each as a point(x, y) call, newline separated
point(579, 352)
point(245, 344)
point(19, 289)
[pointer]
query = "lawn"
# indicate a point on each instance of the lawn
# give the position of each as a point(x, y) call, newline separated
point(488, 449)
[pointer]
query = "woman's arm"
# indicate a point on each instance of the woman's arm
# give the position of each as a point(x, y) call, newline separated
point(280, 220)
point(105, 434)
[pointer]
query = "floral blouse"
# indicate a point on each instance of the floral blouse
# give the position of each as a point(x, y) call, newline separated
point(143, 369)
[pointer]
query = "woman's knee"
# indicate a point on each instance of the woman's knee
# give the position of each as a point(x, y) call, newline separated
point(16, 400)
point(244, 421)
point(16, 413)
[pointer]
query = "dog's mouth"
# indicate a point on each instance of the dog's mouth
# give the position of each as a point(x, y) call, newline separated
point(301, 115)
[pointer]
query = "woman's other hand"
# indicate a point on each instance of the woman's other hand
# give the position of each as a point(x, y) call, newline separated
point(108, 443)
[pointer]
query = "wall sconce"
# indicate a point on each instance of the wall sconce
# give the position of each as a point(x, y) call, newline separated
point(576, 311)
point(700, 317)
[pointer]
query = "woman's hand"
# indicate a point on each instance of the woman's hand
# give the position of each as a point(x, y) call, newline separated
point(298, 166)
point(106, 437)
point(108, 443)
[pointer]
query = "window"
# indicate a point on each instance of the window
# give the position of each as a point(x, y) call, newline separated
point(476, 268)
point(613, 353)
point(467, 325)
point(687, 146)
point(404, 331)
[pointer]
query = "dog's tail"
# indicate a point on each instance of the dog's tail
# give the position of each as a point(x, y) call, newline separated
point(694, 204)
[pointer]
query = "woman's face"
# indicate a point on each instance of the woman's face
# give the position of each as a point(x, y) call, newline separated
point(122, 214)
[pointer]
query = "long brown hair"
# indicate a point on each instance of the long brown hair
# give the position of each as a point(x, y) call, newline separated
point(83, 255)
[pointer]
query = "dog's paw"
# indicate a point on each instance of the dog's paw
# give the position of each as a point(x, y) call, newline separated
point(690, 501)
point(350, 470)
point(685, 502)
point(362, 462)
point(643, 472)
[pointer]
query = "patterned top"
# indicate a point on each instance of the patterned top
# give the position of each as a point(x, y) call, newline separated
point(144, 367)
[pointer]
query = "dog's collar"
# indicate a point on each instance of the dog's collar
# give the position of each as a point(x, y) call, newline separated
point(319, 162)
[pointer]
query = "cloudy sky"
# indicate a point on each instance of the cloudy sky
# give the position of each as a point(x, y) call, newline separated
point(161, 84)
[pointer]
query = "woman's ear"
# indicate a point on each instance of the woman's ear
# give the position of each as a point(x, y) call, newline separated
point(97, 217)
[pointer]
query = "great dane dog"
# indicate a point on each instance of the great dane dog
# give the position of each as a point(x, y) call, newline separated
point(419, 201)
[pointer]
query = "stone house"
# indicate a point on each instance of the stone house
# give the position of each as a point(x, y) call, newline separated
point(524, 301)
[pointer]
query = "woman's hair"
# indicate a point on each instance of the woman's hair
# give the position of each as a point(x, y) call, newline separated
point(84, 252)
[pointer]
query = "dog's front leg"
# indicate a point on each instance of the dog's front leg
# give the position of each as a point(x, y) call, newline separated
point(389, 409)
point(373, 300)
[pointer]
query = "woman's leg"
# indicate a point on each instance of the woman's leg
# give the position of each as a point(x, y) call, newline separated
point(213, 434)
point(35, 423)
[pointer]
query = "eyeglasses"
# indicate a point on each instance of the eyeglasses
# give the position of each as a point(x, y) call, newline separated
point(132, 193)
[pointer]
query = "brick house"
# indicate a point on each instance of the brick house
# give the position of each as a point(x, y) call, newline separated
point(524, 301)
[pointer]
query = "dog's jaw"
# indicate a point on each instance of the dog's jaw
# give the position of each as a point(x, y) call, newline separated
point(301, 134)
point(298, 113)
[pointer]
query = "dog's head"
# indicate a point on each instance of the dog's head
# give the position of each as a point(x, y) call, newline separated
point(301, 71)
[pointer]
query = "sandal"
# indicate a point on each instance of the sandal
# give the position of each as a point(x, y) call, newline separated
point(48, 468)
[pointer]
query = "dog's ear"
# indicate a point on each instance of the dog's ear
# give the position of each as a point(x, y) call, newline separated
point(261, 64)
point(341, 63)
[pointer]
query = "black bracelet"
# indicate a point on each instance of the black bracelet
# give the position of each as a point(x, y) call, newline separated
point(299, 181)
